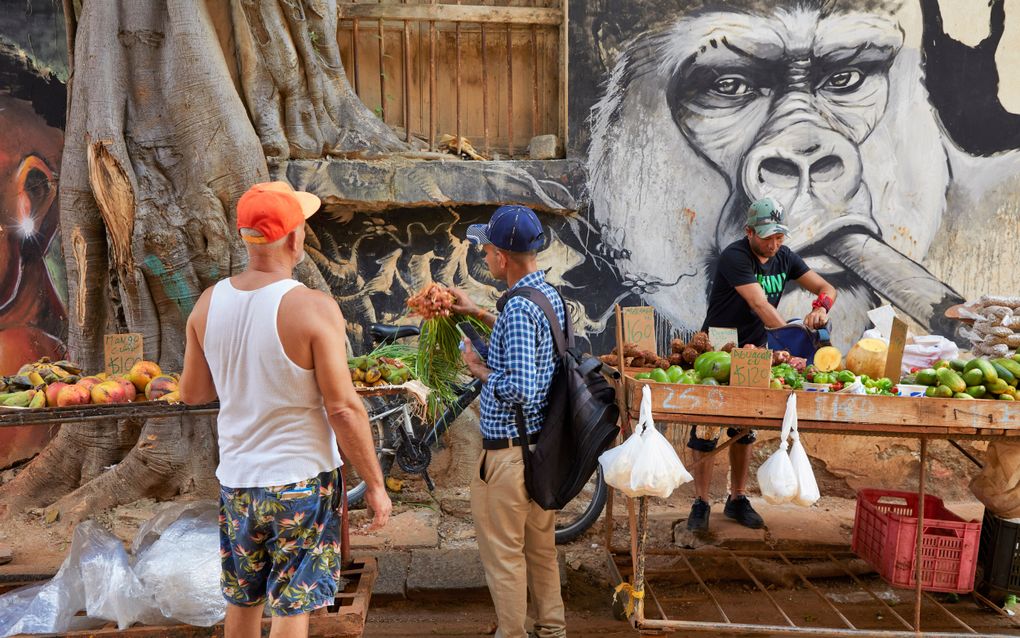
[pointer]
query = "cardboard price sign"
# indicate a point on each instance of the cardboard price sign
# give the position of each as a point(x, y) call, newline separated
point(122, 352)
point(897, 343)
point(721, 336)
point(639, 327)
point(751, 368)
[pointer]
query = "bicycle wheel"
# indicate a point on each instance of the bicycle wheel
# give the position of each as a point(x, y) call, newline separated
point(384, 433)
point(581, 513)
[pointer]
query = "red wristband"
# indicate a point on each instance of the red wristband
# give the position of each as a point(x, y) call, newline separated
point(823, 301)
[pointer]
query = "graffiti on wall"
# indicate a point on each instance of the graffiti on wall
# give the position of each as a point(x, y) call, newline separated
point(32, 283)
point(835, 109)
point(892, 152)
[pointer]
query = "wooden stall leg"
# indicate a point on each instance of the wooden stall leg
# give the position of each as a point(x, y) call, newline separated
point(920, 533)
point(639, 566)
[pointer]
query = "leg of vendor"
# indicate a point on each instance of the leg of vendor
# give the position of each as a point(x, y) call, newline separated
point(703, 442)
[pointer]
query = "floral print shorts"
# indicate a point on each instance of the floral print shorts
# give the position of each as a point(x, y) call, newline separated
point(281, 545)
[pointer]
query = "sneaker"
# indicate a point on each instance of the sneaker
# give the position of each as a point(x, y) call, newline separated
point(739, 509)
point(698, 520)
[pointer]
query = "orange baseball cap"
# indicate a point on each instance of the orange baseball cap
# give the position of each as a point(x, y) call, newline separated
point(274, 209)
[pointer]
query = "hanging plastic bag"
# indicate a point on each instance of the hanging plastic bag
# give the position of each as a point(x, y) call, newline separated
point(658, 470)
point(807, 486)
point(618, 462)
point(776, 477)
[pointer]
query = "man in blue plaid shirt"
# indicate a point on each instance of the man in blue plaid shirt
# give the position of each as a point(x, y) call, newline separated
point(516, 537)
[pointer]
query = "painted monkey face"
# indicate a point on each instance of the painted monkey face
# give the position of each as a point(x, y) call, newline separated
point(827, 112)
point(28, 189)
point(780, 105)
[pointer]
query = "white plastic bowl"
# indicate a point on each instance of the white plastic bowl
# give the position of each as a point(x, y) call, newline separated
point(817, 387)
point(908, 390)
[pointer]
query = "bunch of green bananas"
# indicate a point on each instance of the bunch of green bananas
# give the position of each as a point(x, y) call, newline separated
point(24, 399)
point(40, 373)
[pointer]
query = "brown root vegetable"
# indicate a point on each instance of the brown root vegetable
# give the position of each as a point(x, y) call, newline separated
point(662, 363)
point(677, 345)
point(631, 350)
point(676, 359)
point(700, 342)
point(689, 355)
point(729, 347)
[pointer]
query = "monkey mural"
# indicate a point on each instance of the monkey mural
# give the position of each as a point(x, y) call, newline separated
point(818, 104)
point(32, 313)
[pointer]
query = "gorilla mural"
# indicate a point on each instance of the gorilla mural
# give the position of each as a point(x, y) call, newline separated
point(822, 105)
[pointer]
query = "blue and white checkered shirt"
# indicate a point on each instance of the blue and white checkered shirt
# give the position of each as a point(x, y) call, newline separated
point(522, 358)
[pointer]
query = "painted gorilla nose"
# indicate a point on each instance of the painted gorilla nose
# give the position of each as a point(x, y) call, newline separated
point(803, 160)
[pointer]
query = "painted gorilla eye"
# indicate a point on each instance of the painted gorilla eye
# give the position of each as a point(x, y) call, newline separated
point(731, 86)
point(843, 81)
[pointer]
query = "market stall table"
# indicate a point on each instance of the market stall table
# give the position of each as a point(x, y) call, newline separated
point(345, 617)
point(829, 413)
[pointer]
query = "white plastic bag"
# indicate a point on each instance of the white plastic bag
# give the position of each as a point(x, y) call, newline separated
point(618, 462)
point(807, 486)
point(658, 471)
point(646, 463)
point(776, 477)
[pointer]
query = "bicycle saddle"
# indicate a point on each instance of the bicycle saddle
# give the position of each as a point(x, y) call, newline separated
point(382, 332)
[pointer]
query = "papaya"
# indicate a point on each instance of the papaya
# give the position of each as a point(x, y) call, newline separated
point(957, 364)
point(943, 392)
point(976, 391)
point(962, 395)
point(973, 377)
point(1016, 357)
point(997, 387)
point(949, 378)
point(930, 391)
point(926, 377)
point(986, 368)
point(1009, 364)
point(1004, 373)
point(1006, 397)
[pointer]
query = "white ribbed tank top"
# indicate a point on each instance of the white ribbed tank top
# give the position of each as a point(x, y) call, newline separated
point(272, 423)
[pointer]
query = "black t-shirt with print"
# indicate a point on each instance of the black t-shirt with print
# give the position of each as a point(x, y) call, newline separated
point(738, 266)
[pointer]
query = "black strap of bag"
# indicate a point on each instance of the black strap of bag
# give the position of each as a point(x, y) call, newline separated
point(561, 340)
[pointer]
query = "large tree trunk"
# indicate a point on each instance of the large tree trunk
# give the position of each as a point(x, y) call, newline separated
point(175, 109)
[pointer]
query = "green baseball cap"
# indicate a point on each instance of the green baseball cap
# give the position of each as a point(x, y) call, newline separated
point(765, 216)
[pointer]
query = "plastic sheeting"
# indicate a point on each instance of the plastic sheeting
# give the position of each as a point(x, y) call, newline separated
point(173, 577)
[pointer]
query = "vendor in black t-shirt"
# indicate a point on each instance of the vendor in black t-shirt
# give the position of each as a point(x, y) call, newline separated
point(749, 280)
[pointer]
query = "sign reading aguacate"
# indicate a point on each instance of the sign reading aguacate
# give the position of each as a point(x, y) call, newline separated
point(639, 327)
point(751, 368)
point(122, 351)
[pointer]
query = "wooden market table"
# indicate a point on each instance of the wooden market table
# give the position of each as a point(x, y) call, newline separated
point(346, 616)
point(828, 413)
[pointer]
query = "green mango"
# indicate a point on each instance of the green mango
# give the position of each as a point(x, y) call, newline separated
point(659, 375)
point(640, 376)
point(674, 373)
point(709, 381)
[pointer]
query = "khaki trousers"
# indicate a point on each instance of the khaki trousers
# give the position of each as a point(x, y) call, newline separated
point(516, 539)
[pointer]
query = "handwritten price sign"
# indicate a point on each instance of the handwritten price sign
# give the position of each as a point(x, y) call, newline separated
point(639, 327)
point(122, 352)
point(751, 368)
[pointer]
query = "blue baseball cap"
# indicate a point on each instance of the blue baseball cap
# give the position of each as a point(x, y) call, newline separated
point(513, 228)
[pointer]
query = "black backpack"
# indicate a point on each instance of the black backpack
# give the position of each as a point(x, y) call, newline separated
point(580, 421)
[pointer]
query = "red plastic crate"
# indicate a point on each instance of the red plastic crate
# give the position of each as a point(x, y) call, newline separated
point(885, 535)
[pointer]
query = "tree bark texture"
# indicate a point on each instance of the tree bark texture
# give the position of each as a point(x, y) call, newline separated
point(177, 107)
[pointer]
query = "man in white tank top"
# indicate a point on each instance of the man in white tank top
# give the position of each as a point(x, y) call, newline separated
point(274, 353)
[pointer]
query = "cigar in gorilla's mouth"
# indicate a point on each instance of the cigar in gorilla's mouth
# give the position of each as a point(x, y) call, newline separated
point(905, 283)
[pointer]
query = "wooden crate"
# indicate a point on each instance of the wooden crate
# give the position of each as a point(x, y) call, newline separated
point(827, 412)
